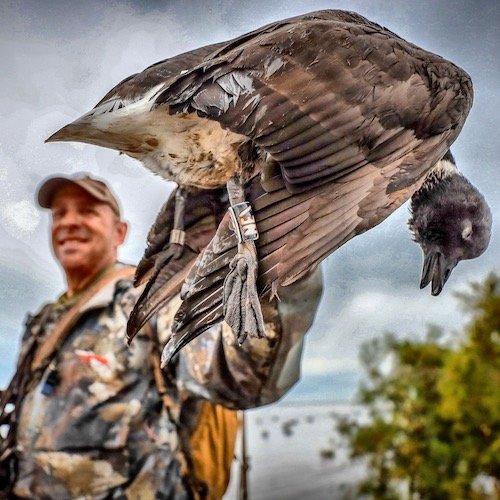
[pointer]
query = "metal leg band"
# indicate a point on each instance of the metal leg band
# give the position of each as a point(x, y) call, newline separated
point(243, 222)
point(177, 236)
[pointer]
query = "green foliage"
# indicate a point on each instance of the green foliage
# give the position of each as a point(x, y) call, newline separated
point(434, 409)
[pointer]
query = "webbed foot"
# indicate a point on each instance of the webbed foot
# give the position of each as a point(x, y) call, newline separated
point(242, 311)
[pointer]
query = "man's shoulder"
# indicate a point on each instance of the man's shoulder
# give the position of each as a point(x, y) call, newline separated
point(31, 317)
point(123, 284)
point(117, 286)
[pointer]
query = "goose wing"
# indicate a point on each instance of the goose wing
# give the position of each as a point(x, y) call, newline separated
point(297, 232)
point(162, 271)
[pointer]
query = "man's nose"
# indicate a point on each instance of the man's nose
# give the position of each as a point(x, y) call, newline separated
point(70, 218)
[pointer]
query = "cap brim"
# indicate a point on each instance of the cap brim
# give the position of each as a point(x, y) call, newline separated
point(95, 187)
point(49, 188)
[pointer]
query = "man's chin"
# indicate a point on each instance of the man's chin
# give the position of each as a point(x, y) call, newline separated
point(72, 259)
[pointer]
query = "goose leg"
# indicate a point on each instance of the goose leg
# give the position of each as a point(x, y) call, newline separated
point(177, 235)
point(242, 310)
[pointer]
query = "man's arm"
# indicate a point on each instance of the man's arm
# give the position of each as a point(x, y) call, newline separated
point(261, 370)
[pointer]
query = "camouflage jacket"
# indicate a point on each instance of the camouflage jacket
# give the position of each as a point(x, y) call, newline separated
point(95, 426)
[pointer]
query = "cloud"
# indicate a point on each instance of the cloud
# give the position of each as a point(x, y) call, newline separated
point(341, 326)
point(20, 217)
point(320, 365)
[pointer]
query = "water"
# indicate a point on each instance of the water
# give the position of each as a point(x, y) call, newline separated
point(295, 452)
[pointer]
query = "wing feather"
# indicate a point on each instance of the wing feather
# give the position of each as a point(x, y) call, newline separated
point(328, 95)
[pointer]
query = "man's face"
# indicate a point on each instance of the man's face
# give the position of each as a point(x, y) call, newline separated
point(85, 232)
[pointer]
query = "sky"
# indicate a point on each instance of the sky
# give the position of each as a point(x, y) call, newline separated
point(60, 58)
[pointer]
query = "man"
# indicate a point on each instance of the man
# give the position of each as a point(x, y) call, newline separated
point(94, 417)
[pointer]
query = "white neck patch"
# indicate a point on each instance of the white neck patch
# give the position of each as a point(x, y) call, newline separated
point(444, 168)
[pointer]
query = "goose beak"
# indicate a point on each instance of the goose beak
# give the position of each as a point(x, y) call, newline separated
point(436, 270)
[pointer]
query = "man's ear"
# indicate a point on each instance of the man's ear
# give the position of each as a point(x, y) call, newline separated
point(121, 232)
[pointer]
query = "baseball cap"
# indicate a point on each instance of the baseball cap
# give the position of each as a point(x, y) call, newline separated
point(95, 187)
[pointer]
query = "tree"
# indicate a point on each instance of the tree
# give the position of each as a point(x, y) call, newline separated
point(434, 409)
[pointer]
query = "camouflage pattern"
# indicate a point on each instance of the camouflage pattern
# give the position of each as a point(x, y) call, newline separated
point(98, 428)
